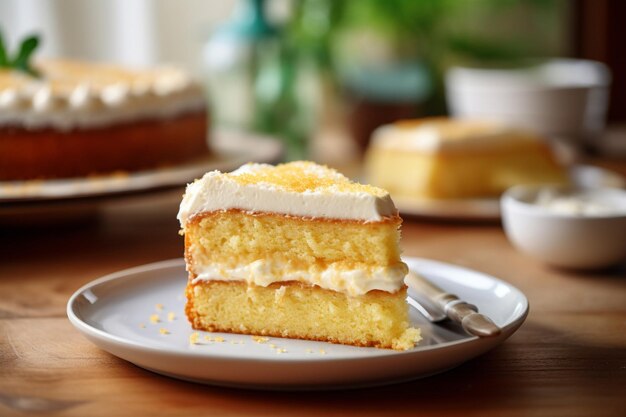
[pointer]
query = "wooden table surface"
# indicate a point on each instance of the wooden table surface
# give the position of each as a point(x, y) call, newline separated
point(568, 359)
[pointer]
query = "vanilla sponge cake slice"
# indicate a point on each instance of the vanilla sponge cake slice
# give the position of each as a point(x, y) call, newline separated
point(440, 158)
point(295, 250)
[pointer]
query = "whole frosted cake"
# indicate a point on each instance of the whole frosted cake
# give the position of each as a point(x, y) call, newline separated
point(295, 250)
point(441, 158)
point(78, 118)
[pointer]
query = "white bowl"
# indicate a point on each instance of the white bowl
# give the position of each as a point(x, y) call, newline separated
point(564, 98)
point(566, 240)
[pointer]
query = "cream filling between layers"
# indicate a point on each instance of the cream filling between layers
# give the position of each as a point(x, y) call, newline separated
point(353, 282)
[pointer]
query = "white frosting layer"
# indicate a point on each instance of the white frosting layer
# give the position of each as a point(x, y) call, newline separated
point(84, 101)
point(216, 191)
point(447, 135)
point(352, 282)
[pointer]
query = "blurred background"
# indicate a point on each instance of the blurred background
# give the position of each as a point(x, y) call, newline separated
point(322, 74)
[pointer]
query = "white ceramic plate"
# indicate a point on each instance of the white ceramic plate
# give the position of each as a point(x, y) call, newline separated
point(114, 313)
point(488, 209)
point(231, 149)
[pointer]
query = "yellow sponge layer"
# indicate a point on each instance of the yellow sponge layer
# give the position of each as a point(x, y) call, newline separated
point(304, 312)
point(235, 237)
point(461, 175)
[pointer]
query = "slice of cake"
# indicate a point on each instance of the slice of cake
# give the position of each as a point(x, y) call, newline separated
point(75, 119)
point(295, 250)
point(443, 158)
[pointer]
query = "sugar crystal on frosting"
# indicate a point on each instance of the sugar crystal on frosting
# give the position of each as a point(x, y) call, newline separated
point(300, 177)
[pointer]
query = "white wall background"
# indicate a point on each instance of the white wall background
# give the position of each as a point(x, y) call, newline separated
point(134, 32)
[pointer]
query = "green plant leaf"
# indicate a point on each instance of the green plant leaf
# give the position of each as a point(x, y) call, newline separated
point(487, 50)
point(21, 61)
point(4, 59)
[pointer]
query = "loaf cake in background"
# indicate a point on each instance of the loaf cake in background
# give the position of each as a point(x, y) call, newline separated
point(440, 158)
point(296, 250)
point(79, 118)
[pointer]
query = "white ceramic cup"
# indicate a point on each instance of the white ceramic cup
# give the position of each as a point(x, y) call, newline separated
point(563, 98)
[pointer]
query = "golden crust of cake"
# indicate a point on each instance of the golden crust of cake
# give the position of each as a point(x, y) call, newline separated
point(452, 136)
point(12, 79)
point(303, 176)
point(63, 76)
point(238, 237)
point(453, 130)
point(295, 310)
point(47, 153)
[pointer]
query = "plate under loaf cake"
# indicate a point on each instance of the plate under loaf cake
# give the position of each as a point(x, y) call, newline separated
point(439, 158)
point(295, 250)
point(79, 118)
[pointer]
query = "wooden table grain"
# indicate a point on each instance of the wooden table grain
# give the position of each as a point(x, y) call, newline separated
point(568, 359)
